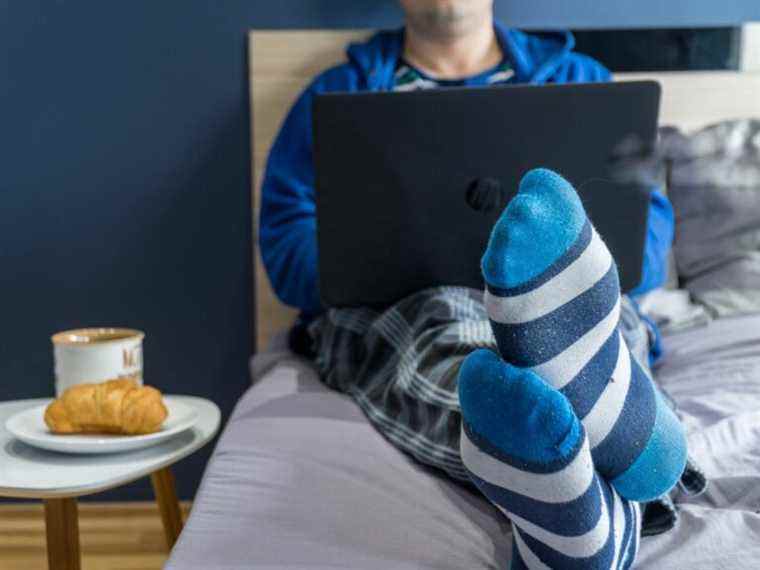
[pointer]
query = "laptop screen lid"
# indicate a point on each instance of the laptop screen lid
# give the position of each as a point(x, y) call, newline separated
point(397, 174)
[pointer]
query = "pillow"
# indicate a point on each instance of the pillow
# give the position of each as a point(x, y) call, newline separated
point(715, 191)
point(633, 162)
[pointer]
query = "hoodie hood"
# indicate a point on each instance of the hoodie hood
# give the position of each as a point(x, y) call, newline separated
point(534, 57)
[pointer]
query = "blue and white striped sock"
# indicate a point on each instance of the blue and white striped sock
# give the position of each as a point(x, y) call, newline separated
point(553, 298)
point(526, 450)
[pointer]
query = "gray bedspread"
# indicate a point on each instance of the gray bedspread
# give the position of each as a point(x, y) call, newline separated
point(300, 479)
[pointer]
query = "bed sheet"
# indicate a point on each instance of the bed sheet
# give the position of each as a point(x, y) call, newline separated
point(300, 480)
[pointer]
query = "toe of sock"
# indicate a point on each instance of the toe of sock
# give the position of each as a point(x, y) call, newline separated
point(544, 218)
point(515, 410)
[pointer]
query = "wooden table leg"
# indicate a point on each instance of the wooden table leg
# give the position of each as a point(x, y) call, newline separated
point(62, 523)
point(168, 504)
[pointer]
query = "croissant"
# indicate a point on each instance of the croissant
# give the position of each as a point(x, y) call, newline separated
point(115, 407)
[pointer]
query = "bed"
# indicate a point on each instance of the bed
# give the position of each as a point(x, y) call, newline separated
point(299, 478)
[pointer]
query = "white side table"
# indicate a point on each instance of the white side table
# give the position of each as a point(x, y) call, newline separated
point(57, 479)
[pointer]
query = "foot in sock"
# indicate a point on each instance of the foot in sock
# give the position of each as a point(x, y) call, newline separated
point(553, 298)
point(528, 453)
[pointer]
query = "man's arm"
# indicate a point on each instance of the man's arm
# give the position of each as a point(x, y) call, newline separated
point(287, 221)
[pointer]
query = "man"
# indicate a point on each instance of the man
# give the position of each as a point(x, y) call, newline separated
point(408, 368)
point(445, 43)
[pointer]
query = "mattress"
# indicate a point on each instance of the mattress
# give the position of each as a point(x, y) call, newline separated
point(300, 480)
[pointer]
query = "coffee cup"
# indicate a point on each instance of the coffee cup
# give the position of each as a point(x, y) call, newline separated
point(96, 355)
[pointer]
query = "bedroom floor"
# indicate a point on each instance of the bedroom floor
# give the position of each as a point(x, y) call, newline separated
point(114, 536)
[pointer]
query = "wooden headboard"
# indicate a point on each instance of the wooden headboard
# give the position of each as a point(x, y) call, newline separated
point(281, 64)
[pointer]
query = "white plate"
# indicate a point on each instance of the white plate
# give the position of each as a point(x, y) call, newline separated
point(29, 426)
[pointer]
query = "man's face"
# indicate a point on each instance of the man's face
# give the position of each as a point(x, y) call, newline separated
point(445, 16)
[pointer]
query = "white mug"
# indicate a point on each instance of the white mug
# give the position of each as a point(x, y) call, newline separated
point(96, 355)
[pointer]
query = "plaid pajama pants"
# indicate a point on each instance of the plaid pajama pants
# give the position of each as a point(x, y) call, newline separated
point(400, 365)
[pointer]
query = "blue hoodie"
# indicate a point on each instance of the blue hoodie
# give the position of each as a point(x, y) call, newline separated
point(287, 222)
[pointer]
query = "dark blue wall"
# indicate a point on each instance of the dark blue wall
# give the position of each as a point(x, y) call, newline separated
point(627, 13)
point(124, 172)
point(124, 190)
point(539, 14)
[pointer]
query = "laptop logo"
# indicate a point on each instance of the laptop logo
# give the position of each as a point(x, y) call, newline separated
point(485, 195)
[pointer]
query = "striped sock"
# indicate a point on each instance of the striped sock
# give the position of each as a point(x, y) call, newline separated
point(528, 453)
point(553, 298)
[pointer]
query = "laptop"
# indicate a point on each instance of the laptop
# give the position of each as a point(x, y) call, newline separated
point(401, 178)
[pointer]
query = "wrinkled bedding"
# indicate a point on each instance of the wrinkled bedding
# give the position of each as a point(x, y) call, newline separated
point(300, 480)
point(714, 185)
